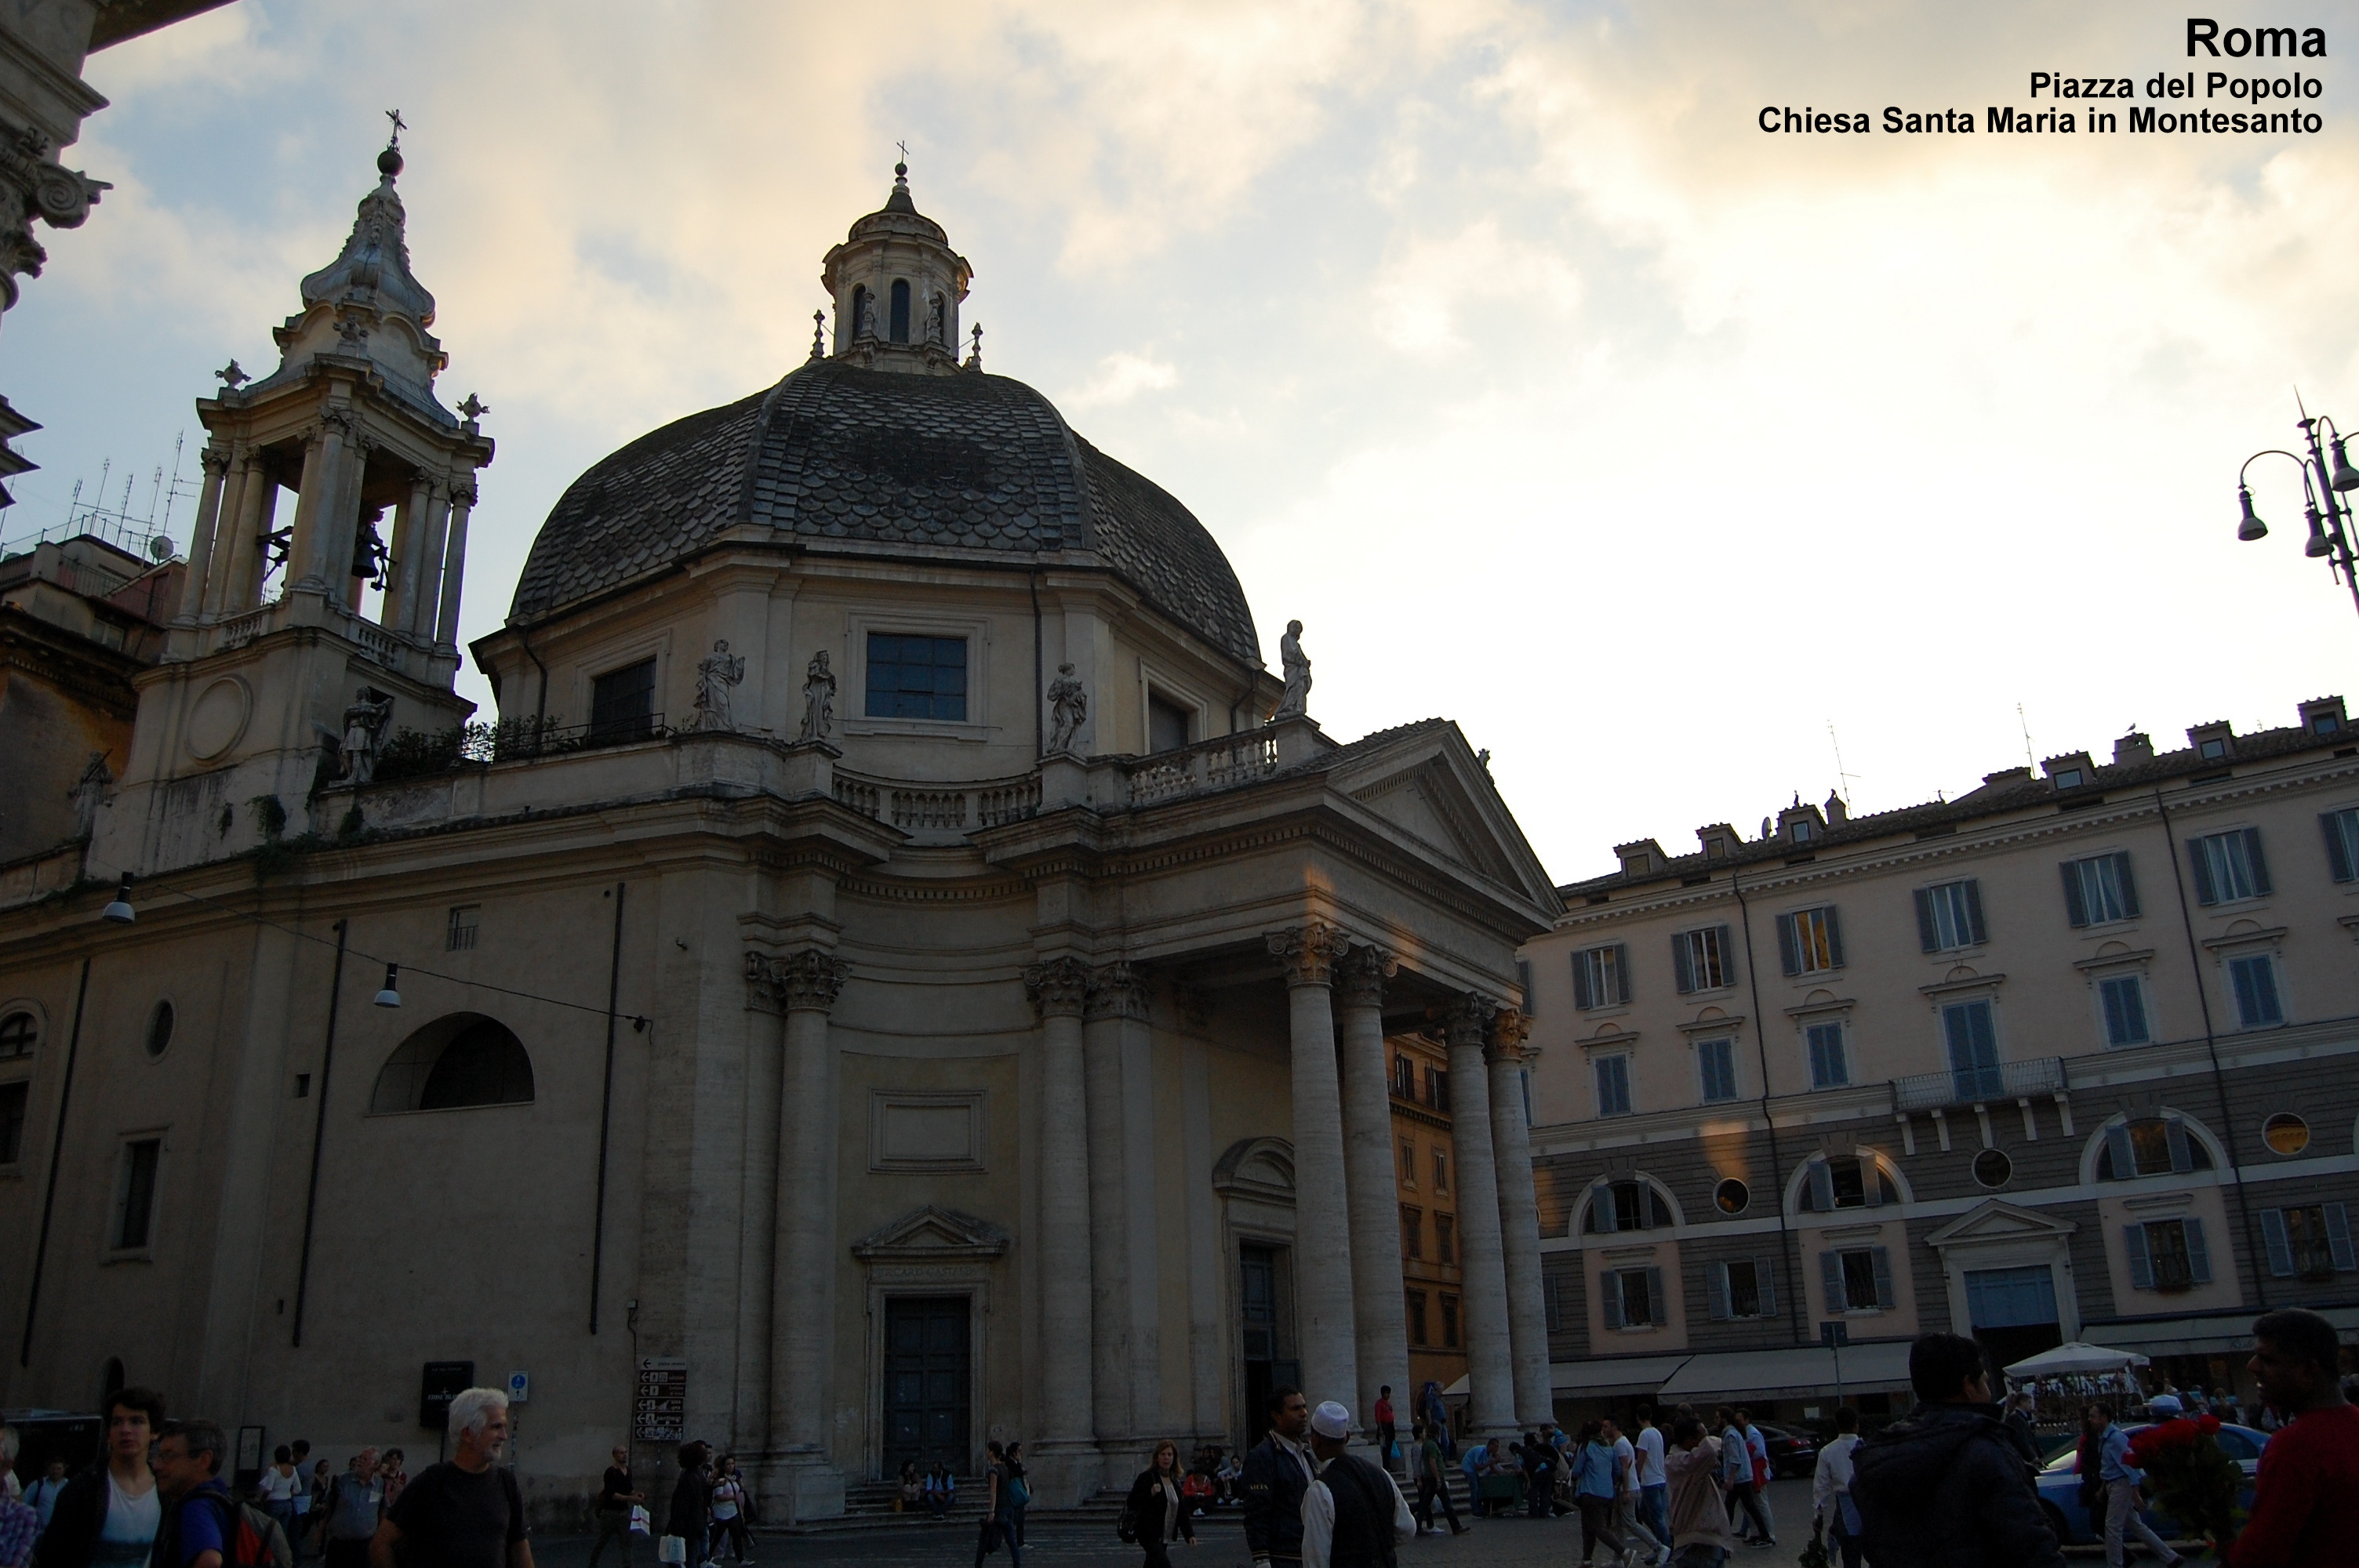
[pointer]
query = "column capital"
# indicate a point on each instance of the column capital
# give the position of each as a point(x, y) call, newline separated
point(805, 981)
point(1309, 951)
point(1510, 1027)
point(463, 493)
point(343, 421)
point(1468, 1020)
point(1359, 977)
point(1059, 988)
point(214, 459)
point(1117, 991)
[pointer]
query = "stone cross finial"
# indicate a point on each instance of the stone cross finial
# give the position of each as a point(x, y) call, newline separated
point(474, 408)
point(232, 376)
point(399, 125)
point(819, 334)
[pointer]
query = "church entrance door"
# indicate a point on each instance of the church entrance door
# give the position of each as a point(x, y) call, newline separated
point(925, 1378)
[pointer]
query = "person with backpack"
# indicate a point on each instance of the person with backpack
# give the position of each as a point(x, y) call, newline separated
point(1353, 1515)
point(203, 1525)
point(466, 1512)
point(1020, 1492)
point(1153, 1516)
point(1946, 1488)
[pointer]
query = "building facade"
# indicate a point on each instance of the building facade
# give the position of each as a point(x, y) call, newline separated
point(893, 973)
point(1424, 1161)
point(2069, 1058)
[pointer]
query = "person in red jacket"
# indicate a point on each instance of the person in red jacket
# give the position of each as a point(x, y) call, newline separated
point(2305, 1507)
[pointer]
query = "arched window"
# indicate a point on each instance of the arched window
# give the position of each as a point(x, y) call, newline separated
point(463, 1059)
point(2150, 1146)
point(19, 1032)
point(859, 310)
point(1626, 1202)
point(1832, 1181)
point(900, 309)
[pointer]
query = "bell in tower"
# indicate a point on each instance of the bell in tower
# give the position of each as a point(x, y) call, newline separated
point(305, 641)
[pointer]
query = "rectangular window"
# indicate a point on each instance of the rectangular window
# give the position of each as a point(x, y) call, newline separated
point(1412, 1233)
point(1408, 1163)
point(1972, 1035)
point(2228, 866)
point(136, 1213)
point(1830, 1068)
point(1857, 1279)
point(2253, 979)
point(1699, 960)
point(2124, 999)
point(12, 1120)
point(1716, 1069)
point(1445, 1239)
point(1167, 723)
point(1417, 1317)
point(2311, 1242)
point(1437, 1089)
point(1441, 1170)
point(1601, 977)
point(1741, 1288)
point(1633, 1298)
point(2099, 890)
point(622, 703)
point(2168, 1254)
point(1950, 915)
point(460, 936)
point(916, 677)
point(1405, 1077)
point(1844, 1182)
point(1524, 984)
point(1450, 1323)
point(2342, 843)
point(1614, 1086)
point(1809, 941)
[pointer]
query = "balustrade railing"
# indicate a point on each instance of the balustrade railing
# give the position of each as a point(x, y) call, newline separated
point(1979, 1085)
point(1206, 764)
point(940, 808)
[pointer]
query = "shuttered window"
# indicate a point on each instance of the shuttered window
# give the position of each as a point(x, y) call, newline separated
point(1829, 1064)
point(2122, 998)
point(1950, 915)
point(2309, 1242)
point(1809, 941)
point(1601, 977)
point(2253, 977)
point(1716, 1069)
point(2228, 866)
point(1971, 1032)
point(1699, 960)
point(2099, 889)
point(1633, 1298)
point(1857, 1279)
point(2342, 843)
point(1741, 1288)
point(2150, 1146)
point(1612, 1085)
point(2168, 1254)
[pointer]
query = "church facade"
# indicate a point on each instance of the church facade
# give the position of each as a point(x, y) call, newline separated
point(897, 970)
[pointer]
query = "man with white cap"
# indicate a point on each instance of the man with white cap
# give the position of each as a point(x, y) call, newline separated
point(1353, 1515)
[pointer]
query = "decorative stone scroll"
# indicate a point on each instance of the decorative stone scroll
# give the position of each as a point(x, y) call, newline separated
point(1059, 988)
point(1117, 991)
point(1510, 1027)
point(1309, 952)
point(805, 981)
point(1468, 1020)
point(1359, 977)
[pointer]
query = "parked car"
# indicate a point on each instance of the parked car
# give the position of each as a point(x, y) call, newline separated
point(2060, 1488)
point(1792, 1451)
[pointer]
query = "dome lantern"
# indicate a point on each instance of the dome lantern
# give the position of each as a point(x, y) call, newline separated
point(897, 286)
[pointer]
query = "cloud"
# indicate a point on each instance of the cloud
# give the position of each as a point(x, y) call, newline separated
point(1120, 378)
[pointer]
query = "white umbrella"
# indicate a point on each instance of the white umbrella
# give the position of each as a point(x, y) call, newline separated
point(2066, 1359)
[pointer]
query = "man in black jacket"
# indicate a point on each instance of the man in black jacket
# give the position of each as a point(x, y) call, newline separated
point(78, 1533)
point(1946, 1487)
point(1277, 1472)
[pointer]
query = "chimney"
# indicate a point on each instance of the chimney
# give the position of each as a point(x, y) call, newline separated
point(2138, 746)
point(1837, 812)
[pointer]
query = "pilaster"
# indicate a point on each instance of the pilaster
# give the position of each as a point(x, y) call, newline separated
point(1059, 988)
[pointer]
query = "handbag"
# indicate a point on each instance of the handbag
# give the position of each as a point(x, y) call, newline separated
point(989, 1542)
point(640, 1523)
point(671, 1549)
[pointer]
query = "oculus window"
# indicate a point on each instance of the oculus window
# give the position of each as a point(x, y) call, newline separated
point(916, 677)
point(1732, 1195)
point(462, 1060)
point(2286, 1133)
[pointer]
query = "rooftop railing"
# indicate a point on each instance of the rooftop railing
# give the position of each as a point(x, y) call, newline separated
point(1206, 764)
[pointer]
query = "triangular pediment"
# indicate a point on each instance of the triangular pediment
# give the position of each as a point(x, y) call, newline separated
point(1993, 1220)
point(932, 1234)
point(1428, 785)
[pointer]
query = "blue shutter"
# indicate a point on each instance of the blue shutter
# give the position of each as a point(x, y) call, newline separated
point(1789, 948)
point(1683, 976)
point(1830, 1281)
point(2141, 1264)
point(2280, 1246)
point(2260, 866)
point(1716, 1290)
point(1582, 997)
point(2199, 1256)
point(1882, 1255)
point(1609, 1287)
point(1621, 986)
point(1600, 1209)
point(1871, 1183)
point(1727, 954)
point(2129, 885)
point(2338, 1237)
point(2182, 1152)
point(1657, 1311)
point(1925, 936)
point(2200, 864)
point(2076, 908)
point(1834, 936)
point(1822, 1187)
point(2118, 1144)
point(1764, 1284)
point(2338, 851)
point(1974, 931)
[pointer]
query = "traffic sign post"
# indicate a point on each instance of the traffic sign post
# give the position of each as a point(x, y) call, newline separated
point(1834, 1336)
point(659, 1408)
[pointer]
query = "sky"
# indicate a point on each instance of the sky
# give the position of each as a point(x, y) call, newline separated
point(1496, 343)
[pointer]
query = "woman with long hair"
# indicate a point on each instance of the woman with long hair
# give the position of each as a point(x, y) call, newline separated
point(997, 1499)
point(1153, 1511)
point(729, 1511)
point(1592, 1490)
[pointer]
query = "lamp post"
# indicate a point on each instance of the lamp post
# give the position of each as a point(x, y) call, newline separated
point(2323, 487)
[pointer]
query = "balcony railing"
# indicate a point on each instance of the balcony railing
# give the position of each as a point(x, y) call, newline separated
point(415, 753)
point(1207, 764)
point(1978, 1086)
point(940, 808)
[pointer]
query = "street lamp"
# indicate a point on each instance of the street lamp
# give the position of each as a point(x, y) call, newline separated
point(2323, 487)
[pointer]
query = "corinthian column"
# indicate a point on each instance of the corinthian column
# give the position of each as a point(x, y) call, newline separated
point(1060, 989)
point(1113, 992)
point(454, 568)
point(1519, 1218)
point(215, 460)
point(802, 1321)
point(1322, 1240)
point(1378, 1309)
point(1489, 1358)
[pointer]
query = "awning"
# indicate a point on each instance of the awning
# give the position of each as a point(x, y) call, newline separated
point(2077, 1357)
point(2226, 1334)
point(1801, 1370)
point(1598, 1377)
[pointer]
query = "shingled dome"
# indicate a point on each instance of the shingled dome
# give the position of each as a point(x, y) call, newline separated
point(965, 461)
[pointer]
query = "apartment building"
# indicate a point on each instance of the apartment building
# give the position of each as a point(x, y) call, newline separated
point(1425, 1172)
point(2074, 1055)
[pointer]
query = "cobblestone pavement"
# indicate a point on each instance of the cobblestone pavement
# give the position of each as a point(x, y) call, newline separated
point(1091, 1543)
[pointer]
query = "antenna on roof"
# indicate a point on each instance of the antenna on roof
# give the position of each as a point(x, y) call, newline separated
point(2019, 719)
point(1843, 779)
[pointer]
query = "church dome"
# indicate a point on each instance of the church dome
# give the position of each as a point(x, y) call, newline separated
point(963, 462)
point(890, 442)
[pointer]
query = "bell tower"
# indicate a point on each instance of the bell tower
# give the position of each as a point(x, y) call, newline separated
point(292, 630)
point(897, 286)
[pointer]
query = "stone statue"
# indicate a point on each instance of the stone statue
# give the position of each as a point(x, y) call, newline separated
point(938, 328)
point(89, 794)
point(819, 698)
point(867, 326)
point(1296, 703)
point(717, 675)
point(1068, 709)
point(365, 723)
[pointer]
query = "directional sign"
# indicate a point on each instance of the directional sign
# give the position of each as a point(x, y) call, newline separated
point(1834, 1335)
point(659, 1405)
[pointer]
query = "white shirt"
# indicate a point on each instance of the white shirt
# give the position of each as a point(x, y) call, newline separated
point(1319, 1516)
point(1832, 1479)
point(1625, 1467)
point(278, 1488)
point(1650, 1458)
